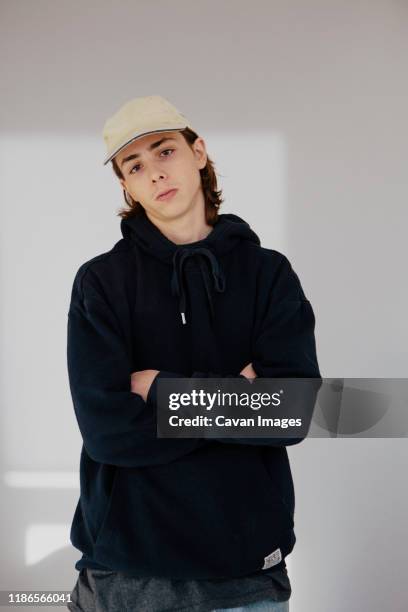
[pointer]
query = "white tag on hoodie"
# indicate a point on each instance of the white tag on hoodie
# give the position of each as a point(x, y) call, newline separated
point(272, 559)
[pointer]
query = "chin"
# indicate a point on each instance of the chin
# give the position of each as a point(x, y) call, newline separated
point(174, 209)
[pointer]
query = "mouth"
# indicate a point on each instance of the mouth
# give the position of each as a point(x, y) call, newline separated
point(167, 195)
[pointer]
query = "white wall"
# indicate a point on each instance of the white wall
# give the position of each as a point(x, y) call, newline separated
point(303, 108)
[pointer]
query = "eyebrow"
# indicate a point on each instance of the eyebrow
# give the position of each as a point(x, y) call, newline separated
point(154, 145)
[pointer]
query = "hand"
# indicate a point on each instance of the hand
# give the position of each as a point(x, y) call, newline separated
point(140, 382)
point(249, 371)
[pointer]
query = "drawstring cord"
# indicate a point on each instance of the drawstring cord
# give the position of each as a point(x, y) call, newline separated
point(178, 280)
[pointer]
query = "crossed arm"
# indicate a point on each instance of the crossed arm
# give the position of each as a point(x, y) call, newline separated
point(141, 380)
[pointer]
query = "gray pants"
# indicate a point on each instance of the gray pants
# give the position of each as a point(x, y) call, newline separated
point(101, 591)
point(85, 597)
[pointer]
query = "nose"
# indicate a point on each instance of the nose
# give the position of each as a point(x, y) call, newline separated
point(157, 177)
point(157, 174)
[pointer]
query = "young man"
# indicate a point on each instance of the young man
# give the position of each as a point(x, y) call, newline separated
point(179, 524)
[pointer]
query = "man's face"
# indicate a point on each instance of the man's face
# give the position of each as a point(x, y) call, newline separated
point(150, 168)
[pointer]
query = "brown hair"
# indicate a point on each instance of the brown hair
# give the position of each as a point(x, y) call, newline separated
point(212, 196)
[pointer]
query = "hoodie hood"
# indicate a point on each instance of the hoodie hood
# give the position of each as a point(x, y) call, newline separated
point(228, 232)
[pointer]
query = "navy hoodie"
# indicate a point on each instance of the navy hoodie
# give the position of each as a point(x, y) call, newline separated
point(182, 508)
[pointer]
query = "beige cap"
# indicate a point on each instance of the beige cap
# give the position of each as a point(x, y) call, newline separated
point(139, 117)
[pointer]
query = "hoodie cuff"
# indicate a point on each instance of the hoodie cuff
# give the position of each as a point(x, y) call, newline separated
point(151, 398)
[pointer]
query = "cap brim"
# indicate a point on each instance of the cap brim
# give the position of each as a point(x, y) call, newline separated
point(122, 146)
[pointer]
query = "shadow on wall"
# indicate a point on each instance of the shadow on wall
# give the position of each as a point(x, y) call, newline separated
point(34, 534)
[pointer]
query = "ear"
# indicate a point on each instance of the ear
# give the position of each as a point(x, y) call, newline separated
point(200, 152)
point(123, 183)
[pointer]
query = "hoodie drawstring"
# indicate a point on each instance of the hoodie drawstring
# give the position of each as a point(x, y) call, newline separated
point(177, 280)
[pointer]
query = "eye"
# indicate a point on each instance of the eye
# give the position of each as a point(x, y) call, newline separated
point(164, 151)
point(138, 165)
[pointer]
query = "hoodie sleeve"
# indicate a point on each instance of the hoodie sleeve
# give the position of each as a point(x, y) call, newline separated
point(117, 426)
point(283, 343)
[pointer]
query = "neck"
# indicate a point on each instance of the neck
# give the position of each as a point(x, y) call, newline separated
point(189, 227)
